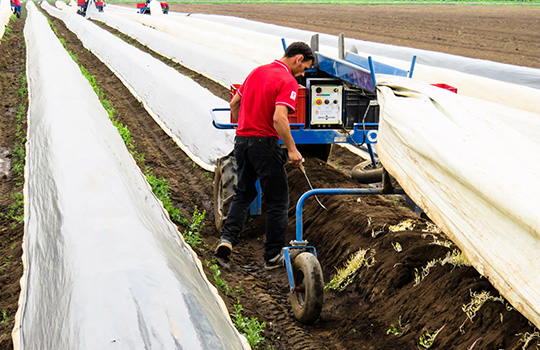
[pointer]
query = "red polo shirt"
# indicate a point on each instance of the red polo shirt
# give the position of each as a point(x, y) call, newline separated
point(264, 88)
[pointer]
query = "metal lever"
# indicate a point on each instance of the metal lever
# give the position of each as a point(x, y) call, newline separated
point(303, 170)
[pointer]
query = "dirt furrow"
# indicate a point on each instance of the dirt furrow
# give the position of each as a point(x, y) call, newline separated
point(498, 33)
point(12, 136)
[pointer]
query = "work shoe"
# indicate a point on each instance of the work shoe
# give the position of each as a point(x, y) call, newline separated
point(224, 249)
point(276, 262)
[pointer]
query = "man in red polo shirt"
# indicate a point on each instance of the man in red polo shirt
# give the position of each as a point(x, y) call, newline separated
point(261, 106)
point(16, 7)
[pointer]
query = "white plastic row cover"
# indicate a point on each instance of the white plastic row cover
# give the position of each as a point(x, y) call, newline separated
point(178, 104)
point(469, 164)
point(260, 43)
point(5, 14)
point(105, 268)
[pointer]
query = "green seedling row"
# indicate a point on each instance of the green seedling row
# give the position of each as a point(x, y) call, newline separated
point(15, 211)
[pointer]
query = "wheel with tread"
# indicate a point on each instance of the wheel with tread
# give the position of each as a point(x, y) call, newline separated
point(307, 299)
point(225, 179)
point(367, 173)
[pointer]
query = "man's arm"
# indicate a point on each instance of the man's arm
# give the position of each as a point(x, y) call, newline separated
point(281, 123)
point(235, 106)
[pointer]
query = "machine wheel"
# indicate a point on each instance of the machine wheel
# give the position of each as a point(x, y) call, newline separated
point(225, 179)
point(366, 173)
point(307, 299)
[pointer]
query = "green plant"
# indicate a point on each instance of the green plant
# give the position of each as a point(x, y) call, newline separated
point(6, 261)
point(251, 328)
point(15, 211)
point(427, 339)
point(478, 300)
point(220, 282)
point(455, 258)
point(398, 330)
point(419, 277)
point(397, 247)
point(402, 226)
point(160, 187)
point(192, 234)
point(5, 318)
point(527, 337)
point(8, 28)
point(345, 275)
point(393, 330)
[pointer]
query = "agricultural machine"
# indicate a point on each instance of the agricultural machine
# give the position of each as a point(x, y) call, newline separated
point(144, 8)
point(337, 103)
point(83, 6)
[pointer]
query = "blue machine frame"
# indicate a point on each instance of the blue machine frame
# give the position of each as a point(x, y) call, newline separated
point(358, 135)
point(300, 243)
point(354, 69)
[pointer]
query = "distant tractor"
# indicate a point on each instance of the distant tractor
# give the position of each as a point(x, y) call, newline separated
point(83, 6)
point(144, 8)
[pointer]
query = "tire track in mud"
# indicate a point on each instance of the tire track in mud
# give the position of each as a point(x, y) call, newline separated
point(270, 289)
point(265, 295)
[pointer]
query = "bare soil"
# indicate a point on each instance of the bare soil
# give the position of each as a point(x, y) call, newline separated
point(12, 68)
point(505, 34)
point(378, 297)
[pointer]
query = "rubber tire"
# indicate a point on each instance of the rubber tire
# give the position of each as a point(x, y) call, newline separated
point(225, 179)
point(366, 173)
point(307, 274)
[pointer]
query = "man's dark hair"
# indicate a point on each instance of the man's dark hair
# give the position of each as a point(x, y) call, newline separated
point(300, 48)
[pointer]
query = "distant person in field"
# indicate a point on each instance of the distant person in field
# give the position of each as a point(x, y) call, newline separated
point(164, 7)
point(16, 7)
point(261, 106)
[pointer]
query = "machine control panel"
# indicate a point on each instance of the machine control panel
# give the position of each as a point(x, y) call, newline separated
point(326, 104)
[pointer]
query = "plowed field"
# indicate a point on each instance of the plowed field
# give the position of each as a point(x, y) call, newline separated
point(384, 306)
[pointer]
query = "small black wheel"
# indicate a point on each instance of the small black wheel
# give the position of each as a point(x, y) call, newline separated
point(225, 180)
point(307, 299)
point(367, 173)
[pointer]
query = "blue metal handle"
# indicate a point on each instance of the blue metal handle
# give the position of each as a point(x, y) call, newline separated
point(372, 70)
point(334, 191)
point(219, 125)
point(412, 66)
point(300, 243)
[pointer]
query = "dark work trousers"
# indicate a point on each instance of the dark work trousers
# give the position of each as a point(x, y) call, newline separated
point(263, 158)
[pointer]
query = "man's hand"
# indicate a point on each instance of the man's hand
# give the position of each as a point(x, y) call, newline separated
point(295, 158)
point(281, 123)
